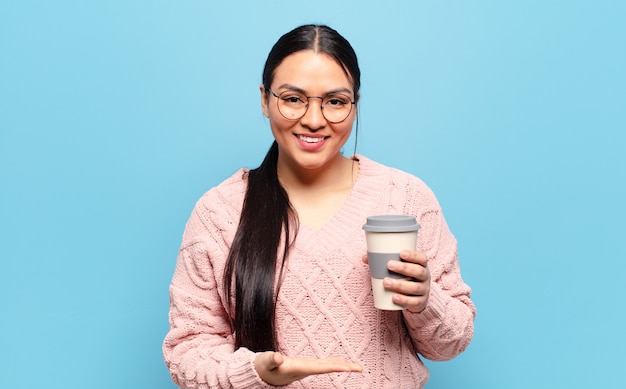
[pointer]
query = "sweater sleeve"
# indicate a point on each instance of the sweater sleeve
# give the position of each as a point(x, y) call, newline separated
point(446, 326)
point(199, 347)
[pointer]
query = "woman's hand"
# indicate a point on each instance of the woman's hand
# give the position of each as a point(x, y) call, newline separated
point(412, 293)
point(277, 369)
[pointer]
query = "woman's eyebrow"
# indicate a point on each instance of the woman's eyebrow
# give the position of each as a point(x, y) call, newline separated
point(302, 91)
point(292, 88)
point(339, 90)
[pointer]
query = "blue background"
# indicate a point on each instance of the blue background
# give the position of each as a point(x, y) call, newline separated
point(115, 117)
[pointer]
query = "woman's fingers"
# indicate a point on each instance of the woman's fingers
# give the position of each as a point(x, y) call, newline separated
point(414, 265)
point(276, 369)
point(414, 257)
point(414, 291)
point(407, 287)
point(306, 366)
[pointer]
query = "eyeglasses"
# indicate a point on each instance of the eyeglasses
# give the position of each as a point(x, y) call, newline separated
point(292, 105)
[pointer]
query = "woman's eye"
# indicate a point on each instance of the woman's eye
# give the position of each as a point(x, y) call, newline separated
point(293, 99)
point(336, 101)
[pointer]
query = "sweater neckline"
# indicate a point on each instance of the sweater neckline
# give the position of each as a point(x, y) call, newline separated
point(342, 223)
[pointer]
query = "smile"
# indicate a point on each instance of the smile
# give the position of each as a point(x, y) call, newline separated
point(309, 139)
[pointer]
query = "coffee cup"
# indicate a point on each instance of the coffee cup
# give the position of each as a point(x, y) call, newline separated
point(386, 236)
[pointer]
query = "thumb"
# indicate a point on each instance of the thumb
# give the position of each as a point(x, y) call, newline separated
point(272, 360)
point(277, 360)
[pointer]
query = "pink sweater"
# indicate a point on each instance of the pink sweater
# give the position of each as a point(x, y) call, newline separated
point(325, 306)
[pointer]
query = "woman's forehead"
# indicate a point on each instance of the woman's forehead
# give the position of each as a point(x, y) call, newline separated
point(308, 70)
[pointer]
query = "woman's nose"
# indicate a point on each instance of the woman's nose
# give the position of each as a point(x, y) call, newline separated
point(314, 117)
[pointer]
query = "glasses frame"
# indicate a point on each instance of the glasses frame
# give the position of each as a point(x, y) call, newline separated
point(352, 103)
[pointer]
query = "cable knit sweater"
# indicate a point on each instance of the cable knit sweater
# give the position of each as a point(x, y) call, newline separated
point(325, 305)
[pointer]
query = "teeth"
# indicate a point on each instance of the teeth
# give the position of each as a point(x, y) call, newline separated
point(308, 139)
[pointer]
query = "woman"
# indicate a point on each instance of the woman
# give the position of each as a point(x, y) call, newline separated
point(272, 285)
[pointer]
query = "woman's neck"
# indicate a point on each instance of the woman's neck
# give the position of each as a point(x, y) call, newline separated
point(317, 195)
point(341, 173)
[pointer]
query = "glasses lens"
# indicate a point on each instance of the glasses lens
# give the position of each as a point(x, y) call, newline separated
point(337, 107)
point(292, 105)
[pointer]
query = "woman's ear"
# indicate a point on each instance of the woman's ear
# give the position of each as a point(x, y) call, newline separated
point(264, 101)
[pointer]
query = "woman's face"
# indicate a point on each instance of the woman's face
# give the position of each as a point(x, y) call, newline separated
point(311, 142)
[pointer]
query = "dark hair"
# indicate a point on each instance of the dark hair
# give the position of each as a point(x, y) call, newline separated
point(267, 217)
